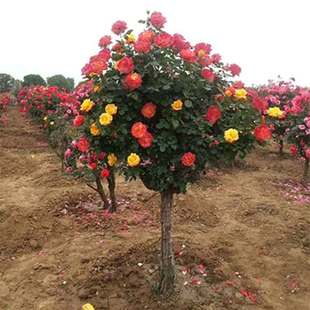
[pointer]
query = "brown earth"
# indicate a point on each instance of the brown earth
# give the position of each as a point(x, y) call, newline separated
point(240, 244)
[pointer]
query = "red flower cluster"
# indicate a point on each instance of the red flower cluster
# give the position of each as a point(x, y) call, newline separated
point(148, 110)
point(213, 114)
point(188, 159)
point(157, 20)
point(125, 65)
point(132, 81)
point(140, 132)
point(119, 27)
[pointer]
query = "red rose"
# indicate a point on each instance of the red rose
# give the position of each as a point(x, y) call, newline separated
point(101, 155)
point(119, 27)
point(146, 141)
point(163, 40)
point(157, 20)
point(213, 114)
point(105, 41)
point(188, 55)
point(208, 75)
point(125, 65)
point(83, 145)
point(205, 61)
point(138, 130)
point(216, 58)
point(188, 159)
point(147, 35)
point(105, 173)
point(294, 150)
point(132, 81)
point(117, 47)
point(148, 110)
point(92, 166)
point(259, 104)
point(262, 133)
point(104, 55)
point(179, 42)
point(202, 49)
point(78, 121)
point(142, 46)
point(234, 69)
point(238, 84)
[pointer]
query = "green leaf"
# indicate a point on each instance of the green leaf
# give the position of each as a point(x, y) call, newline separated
point(188, 103)
point(175, 123)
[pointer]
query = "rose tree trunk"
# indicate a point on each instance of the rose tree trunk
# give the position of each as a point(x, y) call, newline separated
point(167, 265)
point(306, 171)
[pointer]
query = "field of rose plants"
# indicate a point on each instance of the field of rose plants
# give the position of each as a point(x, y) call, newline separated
point(160, 182)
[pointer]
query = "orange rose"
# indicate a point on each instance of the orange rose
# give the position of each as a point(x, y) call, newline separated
point(138, 130)
point(148, 110)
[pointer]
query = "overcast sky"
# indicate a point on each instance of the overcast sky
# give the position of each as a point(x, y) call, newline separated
point(265, 37)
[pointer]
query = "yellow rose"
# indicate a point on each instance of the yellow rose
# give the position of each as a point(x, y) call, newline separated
point(105, 119)
point(94, 130)
point(275, 112)
point(112, 159)
point(45, 118)
point(111, 108)
point(97, 88)
point(177, 105)
point(88, 307)
point(240, 93)
point(52, 123)
point(133, 160)
point(231, 135)
point(87, 105)
point(131, 38)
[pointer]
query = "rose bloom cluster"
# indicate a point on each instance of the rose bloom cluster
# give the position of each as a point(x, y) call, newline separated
point(160, 105)
point(278, 107)
point(299, 133)
point(5, 100)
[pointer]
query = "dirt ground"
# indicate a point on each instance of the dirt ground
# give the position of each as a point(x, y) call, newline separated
point(240, 241)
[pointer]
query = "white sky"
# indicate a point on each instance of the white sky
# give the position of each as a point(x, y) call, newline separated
point(265, 37)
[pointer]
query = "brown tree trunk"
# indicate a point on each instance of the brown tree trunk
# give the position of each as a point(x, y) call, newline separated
point(101, 192)
point(167, 266)
point(111, 183)
point(306, 171)
point(281, 144)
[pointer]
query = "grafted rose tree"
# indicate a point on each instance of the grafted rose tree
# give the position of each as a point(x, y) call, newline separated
point(160, 109)
point(278, 96)
point(88, 156)
point(5, 100)
point(299, 133)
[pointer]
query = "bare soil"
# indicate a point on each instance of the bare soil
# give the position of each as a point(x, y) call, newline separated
point(240, 243)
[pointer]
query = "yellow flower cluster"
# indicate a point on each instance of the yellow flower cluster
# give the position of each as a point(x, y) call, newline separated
point(88, 307)
point(111, 108)
point(131, 38)
point(275, 112)
point(87, 105)
point(112, 159)
point(133, 160)
point(105, 119)
point(231, 135)
point(240, 93)
point(177, 105)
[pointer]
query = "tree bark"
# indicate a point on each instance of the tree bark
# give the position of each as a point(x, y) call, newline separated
point(102, 193)
point(111, 183)
point(281, 144)
point(306, 171)
point(167, 265)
